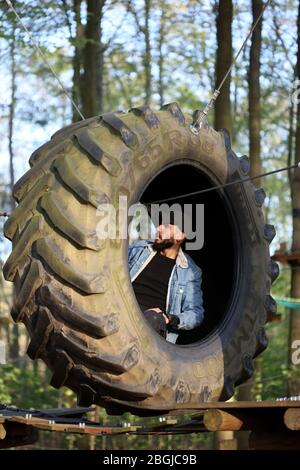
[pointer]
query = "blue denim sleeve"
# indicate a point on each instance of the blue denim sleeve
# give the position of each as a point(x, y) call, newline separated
point(192, 311)
point(134, 250)
point(131, 254)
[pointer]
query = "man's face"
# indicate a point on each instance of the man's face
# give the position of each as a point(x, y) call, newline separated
point(168, 236)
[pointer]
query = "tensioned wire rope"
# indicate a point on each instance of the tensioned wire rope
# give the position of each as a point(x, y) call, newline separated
point(213, 188)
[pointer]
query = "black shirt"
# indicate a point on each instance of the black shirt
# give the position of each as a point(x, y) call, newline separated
point(151, 285)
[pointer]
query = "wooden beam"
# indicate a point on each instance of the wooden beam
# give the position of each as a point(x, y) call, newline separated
point(292, 419)
point(286, 258)
point(274, 317)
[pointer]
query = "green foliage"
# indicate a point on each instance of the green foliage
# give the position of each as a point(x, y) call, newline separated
point(26, 387)
point(274, 362)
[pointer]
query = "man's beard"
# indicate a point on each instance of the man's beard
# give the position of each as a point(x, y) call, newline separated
point(163, 245)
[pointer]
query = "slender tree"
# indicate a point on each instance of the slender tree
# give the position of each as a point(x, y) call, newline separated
point(254, 123)
point(147, 55)
point(254, 93)
point(77, 60)
point(223, 114)
point(91, 89)
point(161, 40)
point(77, 41)
point(14, 338)
point(143, 29)
point(294, 383)
point(223, 62)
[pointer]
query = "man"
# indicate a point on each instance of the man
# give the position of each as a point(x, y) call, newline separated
point(166, 282)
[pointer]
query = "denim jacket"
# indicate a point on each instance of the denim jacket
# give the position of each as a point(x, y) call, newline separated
point(184, 295)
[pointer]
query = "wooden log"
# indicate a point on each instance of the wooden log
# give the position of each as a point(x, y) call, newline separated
point(219, 420)
point(244, 419)
point(292, 419)
point(2, 431)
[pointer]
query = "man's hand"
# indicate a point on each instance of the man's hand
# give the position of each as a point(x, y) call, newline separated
point(158, 310)
point(171, 320)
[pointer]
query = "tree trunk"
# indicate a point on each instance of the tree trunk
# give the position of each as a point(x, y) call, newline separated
point(77, 60)
point(223, 62)
point(144, 29)
point(291, 135)
point(92, 58)
point(161, 39)
point(147, 56)
point(245, 392)
point(14, 337)
point(254, 94)
point(294, 383)
point(11, 122)
point(223, 119)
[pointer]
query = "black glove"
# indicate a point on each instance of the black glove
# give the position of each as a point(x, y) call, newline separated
point(173, 322)
point(157, 321)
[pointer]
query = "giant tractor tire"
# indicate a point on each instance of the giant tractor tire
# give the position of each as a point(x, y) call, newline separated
point(73, 290)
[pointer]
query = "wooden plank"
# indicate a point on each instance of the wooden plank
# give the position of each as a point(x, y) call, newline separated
point(236, 406)
point(68, 412)
point(274, 317)
point(286, 258)
point(247, 404)
point(185, 407)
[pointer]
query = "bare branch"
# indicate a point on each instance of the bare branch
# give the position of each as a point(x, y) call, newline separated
point(132, 10)
point(115, 33)
point(68, 21)
point(121, 83)
point(280, 39)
